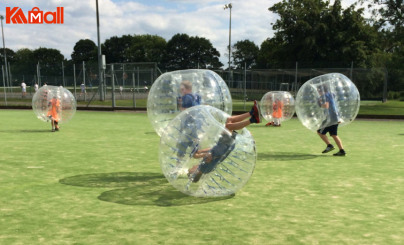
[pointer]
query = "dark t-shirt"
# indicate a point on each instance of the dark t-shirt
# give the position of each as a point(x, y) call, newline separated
point(190, 100)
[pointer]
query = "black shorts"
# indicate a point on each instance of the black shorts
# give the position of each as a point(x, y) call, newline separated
point(333, 129)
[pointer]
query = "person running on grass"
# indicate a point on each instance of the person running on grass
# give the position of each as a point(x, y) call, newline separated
point(330, 124)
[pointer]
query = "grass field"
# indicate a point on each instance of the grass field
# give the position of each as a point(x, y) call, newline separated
point(391, 107)
point(98, 181)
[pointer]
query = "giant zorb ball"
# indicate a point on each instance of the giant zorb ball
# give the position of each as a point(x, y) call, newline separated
point(316, 91)
point(41, 103)
point(202, 128)
point(163, 98)
point(277, 104)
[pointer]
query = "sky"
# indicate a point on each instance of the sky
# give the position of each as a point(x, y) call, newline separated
point(203, 18)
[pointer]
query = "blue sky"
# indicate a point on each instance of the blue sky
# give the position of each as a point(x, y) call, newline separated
point(204, 18)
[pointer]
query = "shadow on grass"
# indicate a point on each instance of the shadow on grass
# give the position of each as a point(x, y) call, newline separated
point(26, 131)
point(136, 189)
point(115, 180)
point(284, 156)
point(155, 195)
point(151, 132)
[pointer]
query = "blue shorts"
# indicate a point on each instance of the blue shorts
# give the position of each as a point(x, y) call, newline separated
point(333, 129)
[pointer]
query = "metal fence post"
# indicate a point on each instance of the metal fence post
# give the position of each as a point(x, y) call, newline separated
point(385, 86)
point(113, 86)
point(74, 80)
point(133, 91)
point(63, 75)
point(4, 85)
point(84, 81)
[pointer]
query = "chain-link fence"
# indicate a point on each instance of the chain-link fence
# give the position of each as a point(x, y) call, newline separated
point(126, 85)
point(253, 84)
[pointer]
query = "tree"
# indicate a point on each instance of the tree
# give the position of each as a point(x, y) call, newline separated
point(314, 33)
point(184, 52)
point(177, 52)
point(389, 18)
point(10, 59)
point(146, 48)
point(84, 50)
point(269, 48)
point(10, 56)
point(245, 53)
point(115, 48)
point(24, 62)
point(50, 61)
point(203, 54)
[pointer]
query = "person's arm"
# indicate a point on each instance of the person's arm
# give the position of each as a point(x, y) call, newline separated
point(323, 102)
point(205, 154)
point(325, 105)
point(201, 153)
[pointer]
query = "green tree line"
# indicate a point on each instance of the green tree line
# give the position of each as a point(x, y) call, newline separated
point(314, 33)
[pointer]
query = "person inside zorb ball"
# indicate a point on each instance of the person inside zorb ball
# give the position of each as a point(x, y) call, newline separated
point(205, 152)
point(176, 91)
point(326, 102)
point(277, 107)
point(54, 104)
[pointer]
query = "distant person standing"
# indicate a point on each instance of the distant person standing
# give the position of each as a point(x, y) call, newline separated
point(83, 89)
point(277, 108)
point(53, 113)
point(277, 112)
point(36, 87)
point(120, 90)
point(23, 89)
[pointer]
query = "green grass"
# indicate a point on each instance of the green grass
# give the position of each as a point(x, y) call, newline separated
point(98, 181)
point(391, 107)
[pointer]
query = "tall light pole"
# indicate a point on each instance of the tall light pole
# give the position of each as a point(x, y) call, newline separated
point(4, 49)
point(229, 6)
point(100, 77)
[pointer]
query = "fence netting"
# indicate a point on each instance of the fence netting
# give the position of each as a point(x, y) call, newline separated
point(126, 85)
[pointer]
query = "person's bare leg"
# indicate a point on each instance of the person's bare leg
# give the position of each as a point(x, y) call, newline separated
point(324, 138)
point(238, 122)
point(237, 125)
point(238, 118)
point(337, 141)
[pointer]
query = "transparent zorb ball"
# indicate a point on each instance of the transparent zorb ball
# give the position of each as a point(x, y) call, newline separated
point(277, 105)
point(166, 96)
point(63, 99)
point(333, 90)
point(202, 129)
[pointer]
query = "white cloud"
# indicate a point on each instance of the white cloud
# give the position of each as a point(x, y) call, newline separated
point(250, 20)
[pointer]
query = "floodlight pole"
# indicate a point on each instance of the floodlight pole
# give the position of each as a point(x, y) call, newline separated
point(229, 6)
point(4, 49)
point(100, 77)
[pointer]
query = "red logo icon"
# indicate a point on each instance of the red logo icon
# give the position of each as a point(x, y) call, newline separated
point(35, 16)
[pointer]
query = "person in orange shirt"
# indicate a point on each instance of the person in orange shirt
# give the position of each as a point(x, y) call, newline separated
point(53, 113)
point(277, 112)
